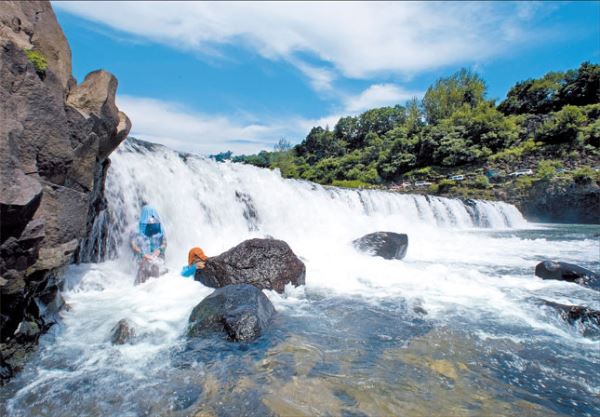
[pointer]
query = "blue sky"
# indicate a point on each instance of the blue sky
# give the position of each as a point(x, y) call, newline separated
point(208, 77)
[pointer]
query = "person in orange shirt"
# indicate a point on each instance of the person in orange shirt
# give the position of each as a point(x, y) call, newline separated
point(196, 260)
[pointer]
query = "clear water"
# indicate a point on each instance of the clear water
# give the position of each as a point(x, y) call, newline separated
point(457, 328)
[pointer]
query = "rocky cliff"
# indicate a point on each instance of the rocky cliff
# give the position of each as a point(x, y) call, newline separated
point(55, 138)
point(562, 203)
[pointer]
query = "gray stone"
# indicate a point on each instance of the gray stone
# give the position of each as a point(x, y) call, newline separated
point(33, 25)
point(242, 311)
point(265, 263)
point(122, 333)
point(388, 245)
point(564, 271)
point(27, 329)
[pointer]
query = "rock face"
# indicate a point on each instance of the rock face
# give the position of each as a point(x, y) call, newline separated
point(33, 25)
point(557, 203)
point(55, 137)
point(265, 263)
point(564, 271)
point(388, 245)
point(242, 311)
point(122, 333)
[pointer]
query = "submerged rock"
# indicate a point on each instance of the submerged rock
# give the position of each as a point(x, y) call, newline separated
point(122, 333)
point(388, 245)
point(588, 318)
point(265, 263)
point(242, 311)
point(564, 271)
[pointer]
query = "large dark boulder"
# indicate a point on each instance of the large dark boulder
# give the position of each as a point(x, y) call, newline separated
point(388, 245)
point(242, 311)
point(564, 271)
point(265, 263)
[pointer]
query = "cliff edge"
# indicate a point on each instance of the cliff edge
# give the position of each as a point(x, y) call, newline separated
point(55, 139)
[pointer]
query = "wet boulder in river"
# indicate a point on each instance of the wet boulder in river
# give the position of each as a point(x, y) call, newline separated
point(388, 245)
point(122, 333)
point(564, 271)
point(265, 263)
point(242, 311)
point(586, 318)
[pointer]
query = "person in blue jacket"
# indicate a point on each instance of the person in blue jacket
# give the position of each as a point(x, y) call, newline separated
point(148, 244)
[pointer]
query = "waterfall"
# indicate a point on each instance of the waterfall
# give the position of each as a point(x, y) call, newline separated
point(468, 277)
point(205, 201)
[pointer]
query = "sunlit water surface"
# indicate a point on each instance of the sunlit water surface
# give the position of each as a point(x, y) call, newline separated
point(458, 328)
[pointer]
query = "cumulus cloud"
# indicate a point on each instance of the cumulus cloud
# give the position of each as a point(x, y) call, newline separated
point(177, 127)
point(379, 95)
point(357, 39)
point(180, 128)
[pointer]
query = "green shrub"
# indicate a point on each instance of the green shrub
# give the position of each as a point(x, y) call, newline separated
point(516, 152)
point(547, 169)
point(433, 189)
point(422, 171)
point(445, 185)
point(585, 175)
point(38, 60)
point(563, 127)
point(481, 181)
point(351, 184)
point(591, 134)
point(524, 182)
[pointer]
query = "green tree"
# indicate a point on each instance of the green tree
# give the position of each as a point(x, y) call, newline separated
point(563, 127)
point(282, 146)
point(485, 126)
point(379, 121)
point(414, 116)
point(451, 93)
point(534, 95)
point(346, 129)
point(320, 143)
point(581, 86)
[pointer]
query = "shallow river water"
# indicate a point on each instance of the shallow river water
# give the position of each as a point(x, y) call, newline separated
point(457, 328)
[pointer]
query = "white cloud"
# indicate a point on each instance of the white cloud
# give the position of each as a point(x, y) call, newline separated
point(173, 125)
point(379, 95)
point(321, 79)
point(357, 39)
point(178, 127)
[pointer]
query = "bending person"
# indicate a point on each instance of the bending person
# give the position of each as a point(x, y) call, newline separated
point(148, 244)
point(196, 260)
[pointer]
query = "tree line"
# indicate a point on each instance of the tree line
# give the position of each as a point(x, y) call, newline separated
point(455, 124)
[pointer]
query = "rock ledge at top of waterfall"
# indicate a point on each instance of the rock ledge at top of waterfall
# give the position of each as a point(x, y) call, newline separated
point(388, 245)
point(265, 263)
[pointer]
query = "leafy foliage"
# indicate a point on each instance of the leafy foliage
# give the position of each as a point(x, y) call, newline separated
point(38, 60)
point(447, 95)
point(454, 125)
point(554, 90)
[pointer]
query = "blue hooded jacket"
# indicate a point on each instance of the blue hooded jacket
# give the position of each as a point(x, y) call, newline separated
point(149, 244)
point(147, 213)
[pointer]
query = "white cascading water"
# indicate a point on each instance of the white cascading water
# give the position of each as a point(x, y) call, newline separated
point(453, 268)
